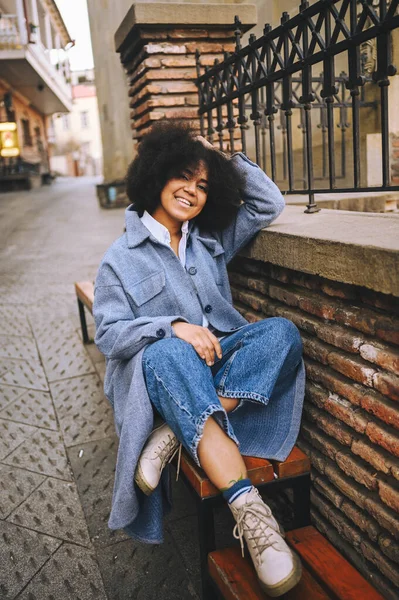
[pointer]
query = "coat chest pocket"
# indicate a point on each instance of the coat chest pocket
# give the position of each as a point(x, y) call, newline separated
point(147, 288)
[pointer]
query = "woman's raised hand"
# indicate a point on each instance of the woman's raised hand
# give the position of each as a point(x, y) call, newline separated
point(203, 341)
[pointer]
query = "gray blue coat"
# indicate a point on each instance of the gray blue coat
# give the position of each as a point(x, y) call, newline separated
point(141, 288)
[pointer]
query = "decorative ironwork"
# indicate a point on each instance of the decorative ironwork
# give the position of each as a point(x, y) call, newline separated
point(261, 77)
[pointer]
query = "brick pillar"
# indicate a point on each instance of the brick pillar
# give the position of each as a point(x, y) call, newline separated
point(157, 44)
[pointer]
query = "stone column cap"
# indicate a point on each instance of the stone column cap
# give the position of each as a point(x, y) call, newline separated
point(181, 15)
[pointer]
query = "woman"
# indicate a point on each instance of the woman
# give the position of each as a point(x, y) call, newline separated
point(176, 346)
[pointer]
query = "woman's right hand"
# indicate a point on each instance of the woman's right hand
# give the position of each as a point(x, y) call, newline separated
point(203, 341)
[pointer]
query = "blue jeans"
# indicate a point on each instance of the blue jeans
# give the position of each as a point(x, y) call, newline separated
point(259, 364)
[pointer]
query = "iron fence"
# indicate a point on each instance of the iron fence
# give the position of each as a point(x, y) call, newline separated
point(273, 76)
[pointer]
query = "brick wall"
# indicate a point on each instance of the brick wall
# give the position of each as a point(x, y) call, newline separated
point(350, 425)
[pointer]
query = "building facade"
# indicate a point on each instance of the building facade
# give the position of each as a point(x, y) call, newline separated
point(75, 140)
point(34, 84)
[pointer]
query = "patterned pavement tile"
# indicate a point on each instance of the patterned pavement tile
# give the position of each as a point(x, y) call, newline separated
point(61, 350)
point(9, 394)
point(23, 374)
point(15, 486)
point(13, 321)
point(18, 347)
point(93, 467)
point(54, 509)
point(82, 409)
point(72, 573)
point(33, 408)
point(22, 554)
point(144, 572)
point(44, 452)
point(12, 435)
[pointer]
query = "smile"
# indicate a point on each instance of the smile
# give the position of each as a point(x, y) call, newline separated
point(183, 201)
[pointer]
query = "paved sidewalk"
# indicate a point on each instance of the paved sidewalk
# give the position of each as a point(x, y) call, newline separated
point(57, 441)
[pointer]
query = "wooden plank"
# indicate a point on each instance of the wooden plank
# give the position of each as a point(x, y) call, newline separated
point(259, 471)
point(296, 463)
point(85, 293)
point(336, 574)
point(236, 579)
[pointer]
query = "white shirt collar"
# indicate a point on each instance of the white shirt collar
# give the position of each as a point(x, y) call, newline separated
point(158, 230)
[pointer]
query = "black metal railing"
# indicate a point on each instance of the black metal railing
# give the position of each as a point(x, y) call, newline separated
point(259, 79)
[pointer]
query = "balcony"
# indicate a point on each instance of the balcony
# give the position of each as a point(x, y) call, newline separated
point(32, 60)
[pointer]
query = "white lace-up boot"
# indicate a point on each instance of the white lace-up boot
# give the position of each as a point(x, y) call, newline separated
point(277, 567)
point(160, 448)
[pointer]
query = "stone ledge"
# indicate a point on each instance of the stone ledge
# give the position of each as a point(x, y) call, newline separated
point(178, 14)
point(356, 248)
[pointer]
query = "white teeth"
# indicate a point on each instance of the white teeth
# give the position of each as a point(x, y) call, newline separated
point(184, 201)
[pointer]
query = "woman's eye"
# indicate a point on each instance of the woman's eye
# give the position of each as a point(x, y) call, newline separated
point(203, 188)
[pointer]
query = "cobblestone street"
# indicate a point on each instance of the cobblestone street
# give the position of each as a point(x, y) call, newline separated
point(57, 442)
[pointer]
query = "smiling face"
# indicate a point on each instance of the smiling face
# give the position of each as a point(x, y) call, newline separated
point(183, 197)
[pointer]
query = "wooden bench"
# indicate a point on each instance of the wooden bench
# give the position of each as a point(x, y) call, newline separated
point(272, 476)
point(85, 296)
point(326, 573)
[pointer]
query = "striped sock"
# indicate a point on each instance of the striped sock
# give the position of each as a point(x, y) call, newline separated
point(239, 487)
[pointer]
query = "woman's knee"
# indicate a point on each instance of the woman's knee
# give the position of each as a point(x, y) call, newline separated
point(283, 333)
point(169, 353)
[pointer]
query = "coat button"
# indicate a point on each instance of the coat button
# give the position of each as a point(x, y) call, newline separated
point(161, 333)
point(192, 270)
point(208, 308)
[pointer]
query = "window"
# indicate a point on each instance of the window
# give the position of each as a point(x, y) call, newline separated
point(65, 122)
point(26, 134)
point(84, 119)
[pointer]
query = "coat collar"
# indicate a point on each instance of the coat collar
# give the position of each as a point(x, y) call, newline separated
point(137, 233)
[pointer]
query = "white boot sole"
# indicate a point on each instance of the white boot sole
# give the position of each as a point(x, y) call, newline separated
point(142, 483)
point(285, 584)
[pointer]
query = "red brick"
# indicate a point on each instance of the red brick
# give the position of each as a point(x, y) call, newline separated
point(352, 367)
point(374, 555)
point(389, 547)
point(381, 407)
point(357, 317)
point(253, 301)
point(345, 484)
point(355, 468)
point(383, 436)
point(395, 180)
point(376, 457)
point(385, 516)
point(388, 329)
point(361, 519)
point(334, 381)
point(317, 459)
point(382, 355)
point(315, 349)
point(387, 384)
point(319, 440)
point(395, 143)
point(320, 503)
point(329, 425)
point(316, 394)
point(339, 336)
point(204, 47)
point(328, 490)
point(317, 306)
point(165, 48)
point(284, 295)
point(338, 290)
point(384, 301)
point(343, 410)
point(389, 492)
point(302, 320)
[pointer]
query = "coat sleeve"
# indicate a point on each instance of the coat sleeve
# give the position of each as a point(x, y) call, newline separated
point(119, 334)
point(262, 204)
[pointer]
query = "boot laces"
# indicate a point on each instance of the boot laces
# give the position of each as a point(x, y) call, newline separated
point(257, 528)
point(167, 450)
